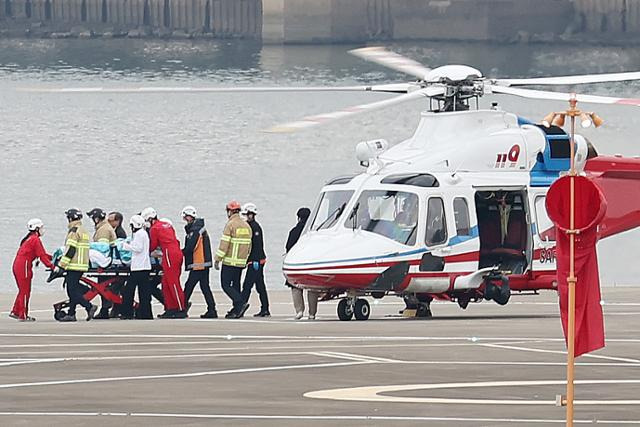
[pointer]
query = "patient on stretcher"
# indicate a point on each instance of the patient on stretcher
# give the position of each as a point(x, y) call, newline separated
point(104, 256)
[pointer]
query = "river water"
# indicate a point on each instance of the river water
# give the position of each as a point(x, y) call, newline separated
point(128, 151)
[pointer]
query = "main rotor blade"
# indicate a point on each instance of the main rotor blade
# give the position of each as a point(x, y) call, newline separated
point(562, 96)
point(570, 80)
point(392, 88)
point(392, 60)
point(321, 119)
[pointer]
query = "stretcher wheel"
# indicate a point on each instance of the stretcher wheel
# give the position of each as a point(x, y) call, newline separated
point(58, 315)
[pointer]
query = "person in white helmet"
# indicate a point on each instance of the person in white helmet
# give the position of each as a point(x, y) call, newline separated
point(198, 260)
point(30, 249)
point(163, 235)
point(140, 269)
point(256, 262)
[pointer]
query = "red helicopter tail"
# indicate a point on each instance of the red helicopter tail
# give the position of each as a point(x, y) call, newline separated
point(619, 180)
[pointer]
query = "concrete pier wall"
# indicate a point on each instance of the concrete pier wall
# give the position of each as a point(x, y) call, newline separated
point(222, 18)
point(326, 21)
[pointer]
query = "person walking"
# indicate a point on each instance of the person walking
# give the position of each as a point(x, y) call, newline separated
point(256, 262)
point(297, 293)
point(105, 234)
point(75, 262)
point(233, 251)
point(197, 260)
point(140, 269)
point(30, 249)
point(162, 234)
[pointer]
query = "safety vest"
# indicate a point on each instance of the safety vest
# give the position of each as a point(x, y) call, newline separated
point(235, 244)
point(76, 252)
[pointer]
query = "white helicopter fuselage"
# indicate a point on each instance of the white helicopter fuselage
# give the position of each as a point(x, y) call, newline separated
point(432, 202)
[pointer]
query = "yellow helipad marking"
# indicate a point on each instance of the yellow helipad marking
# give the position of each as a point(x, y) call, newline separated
point(374, 393)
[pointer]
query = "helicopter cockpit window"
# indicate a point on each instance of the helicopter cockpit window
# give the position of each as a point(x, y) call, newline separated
point(329, 209)
point(436, 223)
point(392, 214)
point(461, 216)
point(344, 179)
point(546, 229)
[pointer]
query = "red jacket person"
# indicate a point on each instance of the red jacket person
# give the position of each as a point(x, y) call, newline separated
point(163, 235)
point(30, 249)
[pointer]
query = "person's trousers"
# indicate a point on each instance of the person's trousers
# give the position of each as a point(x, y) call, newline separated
point(117, 287)
point(256, 277)
point(23, 273)
point(230, 281)
point(202, 277)
point(76, 292)
point(139, 280)
point(171, 289)
point(298, 301)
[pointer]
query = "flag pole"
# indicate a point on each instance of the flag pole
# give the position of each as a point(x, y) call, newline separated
point(571, 280)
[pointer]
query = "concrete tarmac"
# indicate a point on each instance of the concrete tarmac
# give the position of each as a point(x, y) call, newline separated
point(485, 366)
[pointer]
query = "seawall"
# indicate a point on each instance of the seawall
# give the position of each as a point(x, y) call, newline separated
point(327, 21)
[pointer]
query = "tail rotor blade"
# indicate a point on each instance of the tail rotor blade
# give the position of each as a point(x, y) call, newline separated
point(392, 60)
point(320, 119)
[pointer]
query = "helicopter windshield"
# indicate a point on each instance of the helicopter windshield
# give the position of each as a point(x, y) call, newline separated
point(329, 209)
point(392, 214)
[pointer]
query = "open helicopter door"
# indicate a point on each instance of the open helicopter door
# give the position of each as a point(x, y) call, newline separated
point(504, 229)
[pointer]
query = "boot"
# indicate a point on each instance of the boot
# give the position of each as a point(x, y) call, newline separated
point(262, 313)
point(102, 314)
point(210, 314)
point(91, 312)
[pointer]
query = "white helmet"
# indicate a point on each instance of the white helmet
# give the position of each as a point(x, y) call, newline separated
point(189, 211)
point(34, 224)
point(149, 213)
point(137, 222)
point(249, 208)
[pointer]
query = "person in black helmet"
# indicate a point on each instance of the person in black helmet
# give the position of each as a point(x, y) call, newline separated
point(296, 293)
point(75, 261)
point(104, 234)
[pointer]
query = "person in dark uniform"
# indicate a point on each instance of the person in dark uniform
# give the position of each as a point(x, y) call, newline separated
point(297, 293)
point(115, 219)
point(197, 260)
point(256, 262)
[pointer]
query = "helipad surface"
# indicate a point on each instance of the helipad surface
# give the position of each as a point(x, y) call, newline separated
point(488, 365)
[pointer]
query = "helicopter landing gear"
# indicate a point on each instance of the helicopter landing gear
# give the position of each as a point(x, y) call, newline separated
point(345, 309)
point(353, 307)
point(424, 309)
point(500, 294)
point(362, 309)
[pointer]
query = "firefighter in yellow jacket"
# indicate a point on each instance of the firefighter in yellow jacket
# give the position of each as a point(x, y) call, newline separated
point(75, 262)
point(104, 234)
point(234, 249)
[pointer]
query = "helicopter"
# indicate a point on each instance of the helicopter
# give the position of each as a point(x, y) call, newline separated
point(457, 211)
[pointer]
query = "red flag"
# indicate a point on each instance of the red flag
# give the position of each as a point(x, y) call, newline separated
point(590, 208)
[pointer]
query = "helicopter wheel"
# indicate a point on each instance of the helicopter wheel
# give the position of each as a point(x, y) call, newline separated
point(59, 314)
point(345, 310)
point(362, 309)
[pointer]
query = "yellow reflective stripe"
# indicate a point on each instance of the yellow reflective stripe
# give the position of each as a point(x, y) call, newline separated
point(226, 238)
point(72, 242)
point(243, 232)
point(240, 240)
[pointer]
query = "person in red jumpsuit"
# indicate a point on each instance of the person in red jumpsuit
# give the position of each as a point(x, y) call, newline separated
point(163, 235)
point(30, 249)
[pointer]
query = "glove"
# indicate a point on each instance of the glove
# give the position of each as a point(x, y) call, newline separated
point(256, 265)
point(216, 265)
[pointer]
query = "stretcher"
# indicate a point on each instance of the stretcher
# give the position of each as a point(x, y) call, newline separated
point(104, 272)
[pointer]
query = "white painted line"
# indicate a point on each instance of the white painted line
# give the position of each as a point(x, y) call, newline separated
point(538, 350)
point(182, 375)
point(374, 393)
point(334, 418)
